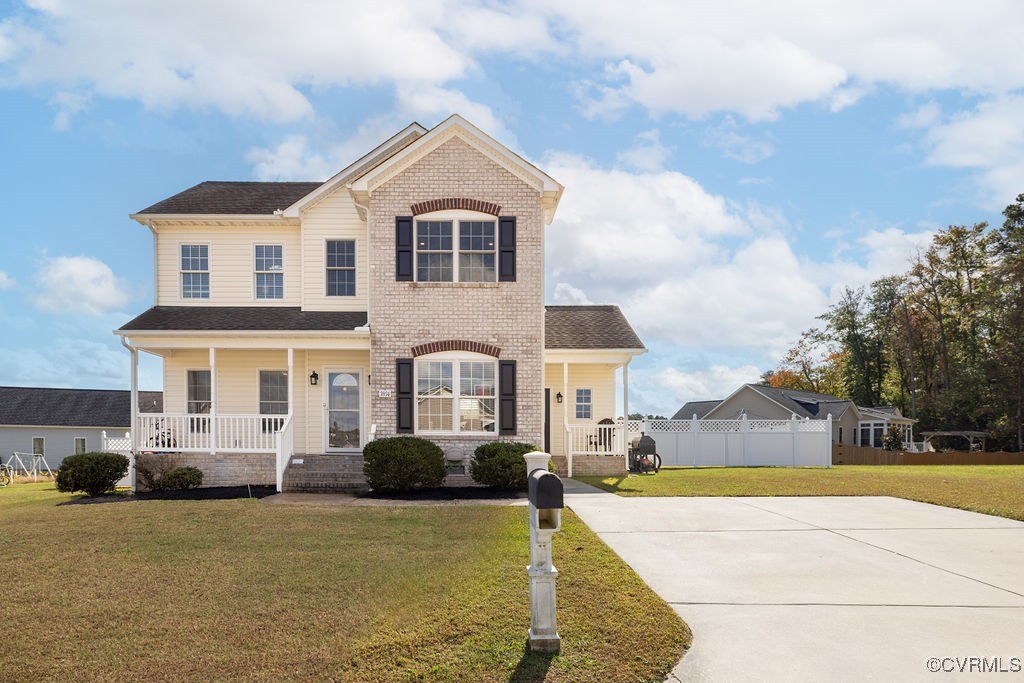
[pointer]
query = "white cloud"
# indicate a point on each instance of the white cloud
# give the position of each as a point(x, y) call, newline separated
point(988, 141)
point(6, 281)
point(749, 58)
point(291, 159)
point(68, 104)
point(757, 58)
point(78, 284)
point(566, 294)
point(254, 62)
point(715, 382)
point(735, 145)
point(648, 154)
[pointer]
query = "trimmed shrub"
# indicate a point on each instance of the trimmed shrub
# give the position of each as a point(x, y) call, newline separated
point(500, 464)
point(181, 478)
point(94, 473)
point(403, 463)
point(893, 440)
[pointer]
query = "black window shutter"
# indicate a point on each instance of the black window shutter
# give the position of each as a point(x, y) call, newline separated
point(403, 390)
point(403, 248)
point(507, 397)
point(507, 249)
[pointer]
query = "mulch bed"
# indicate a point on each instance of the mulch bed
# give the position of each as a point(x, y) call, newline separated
point(209, 493)
point(448, 493)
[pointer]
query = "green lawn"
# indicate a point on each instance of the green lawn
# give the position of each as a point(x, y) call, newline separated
point(992, 489)
point(230, 590)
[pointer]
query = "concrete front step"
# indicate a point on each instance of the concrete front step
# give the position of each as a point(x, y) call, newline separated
point(324, 473)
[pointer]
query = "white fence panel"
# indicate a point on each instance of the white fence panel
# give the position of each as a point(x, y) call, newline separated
point(122, 445)
point(739, 443)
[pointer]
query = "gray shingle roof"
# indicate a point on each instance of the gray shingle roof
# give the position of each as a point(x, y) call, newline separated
point(217, 196)
point(804, 403)
point(237, 318)
point(588, 327)
point(700, 408)
point(73, 407)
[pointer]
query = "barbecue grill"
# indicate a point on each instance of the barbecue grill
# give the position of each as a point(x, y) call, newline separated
point(643, 456)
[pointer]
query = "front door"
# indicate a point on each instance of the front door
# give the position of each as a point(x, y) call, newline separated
point(344, 410)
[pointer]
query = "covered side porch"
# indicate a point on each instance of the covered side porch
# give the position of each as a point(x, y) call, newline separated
point(241, 408)
point(586, 398)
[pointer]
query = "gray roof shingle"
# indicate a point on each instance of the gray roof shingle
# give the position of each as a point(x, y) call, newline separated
point(238, 318)
point(228, 197)
point(588, 327)
point(73, 407)
point(700, 408)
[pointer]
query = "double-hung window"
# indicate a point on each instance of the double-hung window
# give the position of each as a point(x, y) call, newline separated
point(455, 250)
point(455, 396)
point(269, 271)
point(341, 268)
point(195, 271)
point(273, 398)
point(584, 404)
point(80, 445)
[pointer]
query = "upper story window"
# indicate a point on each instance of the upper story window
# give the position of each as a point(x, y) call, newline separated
point(341, 267)
point(269, 271)
point(455, 250)
point(455, 395)
point(195, 271)
point(584, 404)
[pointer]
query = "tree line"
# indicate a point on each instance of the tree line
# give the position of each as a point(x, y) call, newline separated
point(943, 341)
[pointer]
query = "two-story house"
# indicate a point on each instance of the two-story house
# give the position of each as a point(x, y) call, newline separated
point(405, 295)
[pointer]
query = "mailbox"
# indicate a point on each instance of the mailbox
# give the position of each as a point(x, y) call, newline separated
point(545, 490)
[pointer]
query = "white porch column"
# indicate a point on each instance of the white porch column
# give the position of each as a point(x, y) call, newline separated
point(134, 420)
point(565, 418)
point(291, 381)
point(213, 400)
point(625, 390)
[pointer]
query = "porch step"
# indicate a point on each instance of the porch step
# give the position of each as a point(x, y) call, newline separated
point(324, 473)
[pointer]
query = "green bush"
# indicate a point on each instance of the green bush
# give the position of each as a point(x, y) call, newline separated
point(500, 464)
point(181, 478)
point(893, 440)
point(403, 463)
point(93, 473)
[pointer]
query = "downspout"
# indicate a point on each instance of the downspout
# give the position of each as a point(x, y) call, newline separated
point(134, 405)
point(369, 298)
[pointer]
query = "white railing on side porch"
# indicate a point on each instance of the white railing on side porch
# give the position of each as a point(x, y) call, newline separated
point(285, 448)
point(597, 439)
point(205, 433)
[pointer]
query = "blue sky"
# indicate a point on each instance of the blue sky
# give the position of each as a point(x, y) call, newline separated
point(728, 168)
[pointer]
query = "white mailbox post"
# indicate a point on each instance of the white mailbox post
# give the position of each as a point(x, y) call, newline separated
point(546, 503)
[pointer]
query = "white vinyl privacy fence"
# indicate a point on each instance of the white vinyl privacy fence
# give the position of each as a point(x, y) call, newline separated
point(739, 443)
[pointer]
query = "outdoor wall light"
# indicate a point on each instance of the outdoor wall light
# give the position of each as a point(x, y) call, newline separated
point(558, 397)
point(314, 378)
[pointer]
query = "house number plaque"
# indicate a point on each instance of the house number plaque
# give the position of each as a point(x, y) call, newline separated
point(383, 393)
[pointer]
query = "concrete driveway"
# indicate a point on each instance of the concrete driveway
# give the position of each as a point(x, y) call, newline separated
point(814, 589)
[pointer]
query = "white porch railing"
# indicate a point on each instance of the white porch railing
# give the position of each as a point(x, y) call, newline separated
point(595, 439)
point(285, 448)
point(205, 433)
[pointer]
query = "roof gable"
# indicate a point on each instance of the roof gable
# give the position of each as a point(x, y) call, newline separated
point(362, 187)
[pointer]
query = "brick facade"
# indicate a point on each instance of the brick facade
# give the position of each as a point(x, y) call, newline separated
point(222, 469)
point(506, 316)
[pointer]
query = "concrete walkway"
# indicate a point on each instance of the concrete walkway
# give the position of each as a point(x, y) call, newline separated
point(815, 589)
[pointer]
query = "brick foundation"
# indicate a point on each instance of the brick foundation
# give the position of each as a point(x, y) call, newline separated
point(590, 465)
point(223, 469)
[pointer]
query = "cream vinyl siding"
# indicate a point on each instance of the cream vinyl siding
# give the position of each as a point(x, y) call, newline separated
point(599, 378)
point(231, 262)
point(238, 384)
point(334, 218)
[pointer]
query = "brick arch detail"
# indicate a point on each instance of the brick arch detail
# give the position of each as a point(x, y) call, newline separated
point(455, 203)
point(456, 345)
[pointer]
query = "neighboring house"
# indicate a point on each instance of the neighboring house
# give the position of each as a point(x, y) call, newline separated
point(852, 424)
point(405, 295)
point(56, 423)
